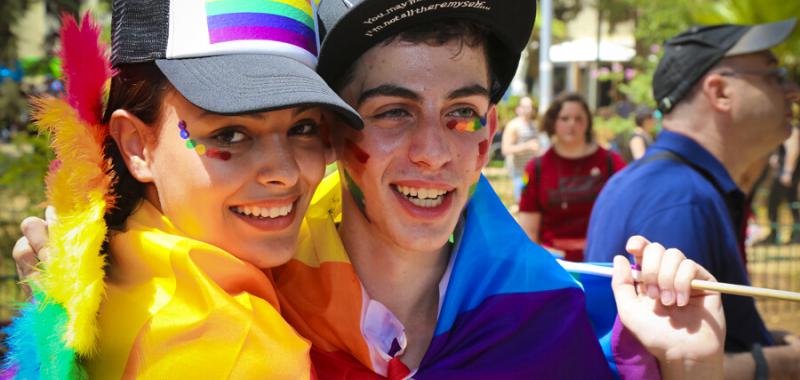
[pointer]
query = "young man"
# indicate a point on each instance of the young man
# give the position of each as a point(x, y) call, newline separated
point(416, 268)
point(727, 105)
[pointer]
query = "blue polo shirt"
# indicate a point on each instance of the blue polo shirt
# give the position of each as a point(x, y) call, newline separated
point(689, 208)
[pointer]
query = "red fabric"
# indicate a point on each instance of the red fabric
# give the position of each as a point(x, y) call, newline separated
point(345, 367)
point(397, 370)
point(565, 196)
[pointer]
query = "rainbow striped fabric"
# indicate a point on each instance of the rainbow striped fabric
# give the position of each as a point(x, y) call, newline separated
point(509, 311)
point(287, 21)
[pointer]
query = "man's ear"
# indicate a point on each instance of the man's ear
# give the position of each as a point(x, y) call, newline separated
point(718, 92)
point(130, 135)
point(491, 119)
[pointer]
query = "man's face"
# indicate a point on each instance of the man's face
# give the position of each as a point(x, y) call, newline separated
point(762, 104)
point(425, 141)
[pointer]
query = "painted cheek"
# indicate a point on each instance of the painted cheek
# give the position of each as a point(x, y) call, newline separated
point(218, 154)
point(356, 193)
point(472, 125)
point(201, 149)
point(355, 156)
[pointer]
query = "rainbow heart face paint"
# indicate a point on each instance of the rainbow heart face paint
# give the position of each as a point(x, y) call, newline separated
point(467, 125)
point(201, 148)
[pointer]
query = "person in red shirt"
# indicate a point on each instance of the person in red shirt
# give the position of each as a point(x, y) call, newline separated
point(564, 182)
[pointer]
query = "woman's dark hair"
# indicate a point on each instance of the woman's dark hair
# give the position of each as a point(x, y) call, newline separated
point(439, 33)
point(139, 89)
point(551, 115)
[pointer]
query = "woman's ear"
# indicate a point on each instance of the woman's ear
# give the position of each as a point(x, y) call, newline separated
point(130, 135)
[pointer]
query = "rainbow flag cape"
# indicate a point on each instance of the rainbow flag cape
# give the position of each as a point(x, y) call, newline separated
point(178, 307)
point(509, 310)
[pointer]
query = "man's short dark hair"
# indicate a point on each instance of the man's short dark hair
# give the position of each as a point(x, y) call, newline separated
point(466, 33)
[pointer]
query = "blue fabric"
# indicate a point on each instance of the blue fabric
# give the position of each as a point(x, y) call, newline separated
point(510, 310)
point(669, 202)
point(497, 256)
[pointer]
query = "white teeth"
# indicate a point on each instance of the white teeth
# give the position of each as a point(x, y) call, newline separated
point(422, 197)
point(420, 193)
point(264, 212)
point(427, 203)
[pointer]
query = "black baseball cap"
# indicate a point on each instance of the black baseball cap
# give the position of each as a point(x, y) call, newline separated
point(691, 54)
point(348, 28)
point(228, 57)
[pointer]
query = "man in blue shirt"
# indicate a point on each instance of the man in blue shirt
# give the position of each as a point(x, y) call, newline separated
point(727, 105)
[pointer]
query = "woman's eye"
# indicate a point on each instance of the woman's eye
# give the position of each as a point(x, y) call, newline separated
point(305, 128)
point(229, 137)
point(464, 113)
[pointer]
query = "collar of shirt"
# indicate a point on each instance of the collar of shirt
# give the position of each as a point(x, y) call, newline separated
point(384, 332)
point(697, 155)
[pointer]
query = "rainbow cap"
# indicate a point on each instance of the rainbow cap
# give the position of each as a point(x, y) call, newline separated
point(228, 56)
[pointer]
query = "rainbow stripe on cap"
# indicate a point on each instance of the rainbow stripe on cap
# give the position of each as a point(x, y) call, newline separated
point(286, 21)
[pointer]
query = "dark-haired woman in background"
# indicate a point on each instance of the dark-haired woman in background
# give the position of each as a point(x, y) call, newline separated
point(564, 183)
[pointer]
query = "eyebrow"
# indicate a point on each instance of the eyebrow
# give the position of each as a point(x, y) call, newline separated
point(402, 92)
point(387, 90)
point(465, 91)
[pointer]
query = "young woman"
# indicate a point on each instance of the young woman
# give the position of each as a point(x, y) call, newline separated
point(564, 182)
point(216, 146)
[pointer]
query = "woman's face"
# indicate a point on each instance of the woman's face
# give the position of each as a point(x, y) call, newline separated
point(571, 124)
point(241, 183)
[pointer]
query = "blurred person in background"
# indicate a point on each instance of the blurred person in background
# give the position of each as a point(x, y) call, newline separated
point(726, 105)
point(786, 176)
point(564, 182)
point(643, 133)
point(520, 143)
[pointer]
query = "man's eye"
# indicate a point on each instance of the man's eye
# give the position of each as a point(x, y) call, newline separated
point(395, 113)
point(304, 128)
point(229, 137)
point(464, 113)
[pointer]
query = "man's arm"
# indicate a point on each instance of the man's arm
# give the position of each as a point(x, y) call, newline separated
point(510, 145)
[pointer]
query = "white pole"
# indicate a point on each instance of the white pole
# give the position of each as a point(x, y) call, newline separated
point(545, 66)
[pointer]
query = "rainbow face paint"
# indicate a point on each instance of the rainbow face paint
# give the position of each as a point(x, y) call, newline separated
point(467, 125)
point(201, 149)
point(355, 157)
point(356, 193)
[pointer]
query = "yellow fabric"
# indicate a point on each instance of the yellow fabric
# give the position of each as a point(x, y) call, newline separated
point(180, 308)
point(78, 190)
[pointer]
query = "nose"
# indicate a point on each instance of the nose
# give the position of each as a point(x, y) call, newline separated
point(277, 165)
point(429, 145)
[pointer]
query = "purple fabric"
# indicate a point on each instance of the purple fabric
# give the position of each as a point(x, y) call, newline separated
point(260, 20)
point(237, 33)
point(538, 335)
point(632, 359)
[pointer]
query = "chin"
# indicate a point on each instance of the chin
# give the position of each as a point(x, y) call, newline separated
point(423, 240)
point(265, 256)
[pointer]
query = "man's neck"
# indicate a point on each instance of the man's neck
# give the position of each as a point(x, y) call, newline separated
point(405, 281)
point(735, 158)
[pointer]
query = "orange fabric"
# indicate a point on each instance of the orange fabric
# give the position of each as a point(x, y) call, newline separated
point(320, 292)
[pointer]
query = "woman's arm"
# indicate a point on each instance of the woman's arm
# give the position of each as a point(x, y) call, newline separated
point(530, 222)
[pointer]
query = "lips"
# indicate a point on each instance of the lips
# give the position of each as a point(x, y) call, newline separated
point(267, 216)
point(424, 200)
